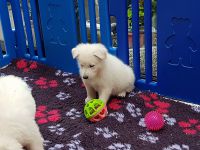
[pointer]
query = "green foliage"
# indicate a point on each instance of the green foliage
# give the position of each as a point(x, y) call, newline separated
point(141, 13)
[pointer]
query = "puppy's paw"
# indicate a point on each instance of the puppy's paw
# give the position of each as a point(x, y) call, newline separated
point(87, 99)
point(122, 94)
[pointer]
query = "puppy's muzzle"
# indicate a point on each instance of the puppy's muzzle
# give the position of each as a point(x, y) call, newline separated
point(85, 77)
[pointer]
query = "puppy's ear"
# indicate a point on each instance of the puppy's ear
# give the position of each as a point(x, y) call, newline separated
point(74, 53)
point(101, 52)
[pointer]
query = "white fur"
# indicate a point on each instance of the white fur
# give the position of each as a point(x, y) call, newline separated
point(109, 75)
point(18, 128)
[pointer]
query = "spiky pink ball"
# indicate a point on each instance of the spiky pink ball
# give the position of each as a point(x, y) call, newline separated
point(154, 121)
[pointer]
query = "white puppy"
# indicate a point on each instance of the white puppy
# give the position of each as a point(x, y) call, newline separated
point(18, 128)
point(102, 72)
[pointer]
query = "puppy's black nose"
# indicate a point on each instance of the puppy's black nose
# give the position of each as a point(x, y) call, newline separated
point(85, 77)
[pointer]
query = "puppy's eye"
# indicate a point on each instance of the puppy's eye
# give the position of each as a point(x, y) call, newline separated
point(91, 66)
point(82, 65)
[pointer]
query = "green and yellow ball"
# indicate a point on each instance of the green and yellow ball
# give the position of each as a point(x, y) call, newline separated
point(95, 110)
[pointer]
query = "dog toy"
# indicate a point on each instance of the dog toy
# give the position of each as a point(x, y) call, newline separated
point(95, 110)
point(154, 121)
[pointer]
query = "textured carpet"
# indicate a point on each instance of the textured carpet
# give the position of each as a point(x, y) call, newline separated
point(60, 100)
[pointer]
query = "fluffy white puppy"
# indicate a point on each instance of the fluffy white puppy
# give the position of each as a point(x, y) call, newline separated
point(102, 73)
point(18, 128)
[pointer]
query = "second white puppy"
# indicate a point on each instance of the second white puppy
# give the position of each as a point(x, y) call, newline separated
point(18, 128)
point(102, 72)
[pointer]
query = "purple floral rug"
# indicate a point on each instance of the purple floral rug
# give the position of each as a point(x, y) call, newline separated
point(60, 100)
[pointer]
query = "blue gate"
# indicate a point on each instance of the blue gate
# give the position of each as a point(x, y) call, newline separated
point(49, 32)
point(9, 38)
point(59, 32)
point(179, 49)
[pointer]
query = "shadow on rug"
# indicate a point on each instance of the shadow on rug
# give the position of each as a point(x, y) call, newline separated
point(60, 100)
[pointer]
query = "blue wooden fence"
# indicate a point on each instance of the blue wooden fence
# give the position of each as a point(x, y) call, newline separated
point(55, 30)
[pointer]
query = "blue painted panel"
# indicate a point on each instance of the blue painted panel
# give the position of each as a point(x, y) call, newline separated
point(81, 8)
point(28, 28)
point(93, 28)
point(7, 34)
point(59, 32)
point(122, 27)
point(136, 41)
point(105, 25)
point(148, 39)
point(35, 15)
point(179, 49)
point(19, 29)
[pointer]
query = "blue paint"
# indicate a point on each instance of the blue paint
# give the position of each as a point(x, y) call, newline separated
point(93, 28)
point(28, 28)
point(83, 29)
point(120, 14)
point(19, 29)
point(148, 40)
point(35, 14)
point(136, 39)
point(179, 49)
point(59, 33)
point(105, 25)
point(7, 34)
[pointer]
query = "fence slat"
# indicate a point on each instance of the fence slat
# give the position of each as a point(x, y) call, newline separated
point(81, 6)
point(28, 27)
point(93, 28)
point(122, 51)
point(19, 28)
point(136, 41)
point(36, 28)
point(6, 29)
point(148, 39)
point(105, 24)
